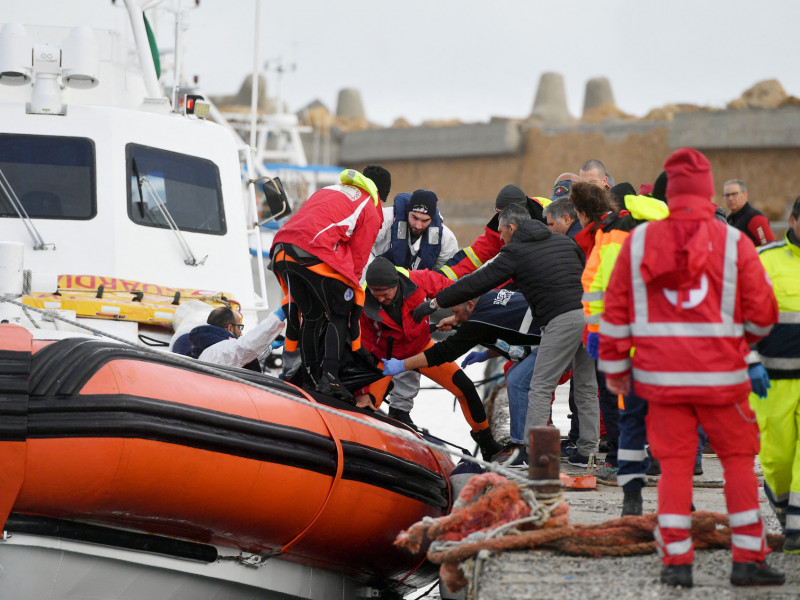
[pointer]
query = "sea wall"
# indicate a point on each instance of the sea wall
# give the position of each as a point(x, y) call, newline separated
point(467, 165)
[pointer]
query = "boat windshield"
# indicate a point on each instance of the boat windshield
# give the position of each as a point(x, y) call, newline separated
point(189, 188)
point(53, 177)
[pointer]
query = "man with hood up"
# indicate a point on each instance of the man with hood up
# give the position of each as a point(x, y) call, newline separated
point(689, 293)
point(547, 268)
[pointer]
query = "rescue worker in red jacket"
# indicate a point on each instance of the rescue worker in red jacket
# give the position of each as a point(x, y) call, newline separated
point(319, 256)
point(390, 332)
point(487, 245)
point(689, 294)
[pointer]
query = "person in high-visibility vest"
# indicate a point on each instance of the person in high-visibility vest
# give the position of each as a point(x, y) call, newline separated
point(776, 384)
point(690, 294)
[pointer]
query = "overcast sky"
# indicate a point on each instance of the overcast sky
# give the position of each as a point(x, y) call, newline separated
point(470, 59)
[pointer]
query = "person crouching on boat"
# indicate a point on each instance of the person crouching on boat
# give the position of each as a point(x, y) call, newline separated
point(319, 256)
point(220, 341)
point(389, 330)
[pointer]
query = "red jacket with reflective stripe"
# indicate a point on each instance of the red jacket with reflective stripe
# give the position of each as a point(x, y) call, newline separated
point(690, 294)
point(409, 338)
point(337, 224)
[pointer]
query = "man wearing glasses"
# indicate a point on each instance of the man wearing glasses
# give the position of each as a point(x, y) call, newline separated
point(220, 341)
point(744, 217)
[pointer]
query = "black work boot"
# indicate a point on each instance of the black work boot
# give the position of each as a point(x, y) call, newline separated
point(632, 503)
point(677, 575)
point(330, 385)
point(756, 573)
point(791, 543)
point(401, 415)
point(486, 442)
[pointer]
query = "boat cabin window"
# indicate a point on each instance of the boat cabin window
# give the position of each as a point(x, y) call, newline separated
point(189, 188)
point(53, 177)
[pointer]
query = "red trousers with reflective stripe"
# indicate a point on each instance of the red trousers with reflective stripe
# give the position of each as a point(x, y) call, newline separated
point(468, 399)
point(733, 433)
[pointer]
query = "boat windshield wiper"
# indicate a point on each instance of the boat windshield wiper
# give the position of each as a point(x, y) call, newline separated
point(13, 200)
point(143, 183)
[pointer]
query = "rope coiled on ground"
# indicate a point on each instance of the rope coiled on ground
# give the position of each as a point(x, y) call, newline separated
point(491, 515)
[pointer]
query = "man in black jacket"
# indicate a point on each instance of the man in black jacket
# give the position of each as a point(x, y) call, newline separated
point(547, 269)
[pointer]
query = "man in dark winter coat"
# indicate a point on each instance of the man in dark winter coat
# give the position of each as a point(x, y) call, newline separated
point(487, 245)
point(547, 268)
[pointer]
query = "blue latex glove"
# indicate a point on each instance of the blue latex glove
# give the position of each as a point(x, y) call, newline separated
point(393, 366)
point(280, 314)
point(759, 379)
point(475, 357)
point(277, 343)
point(593, 344)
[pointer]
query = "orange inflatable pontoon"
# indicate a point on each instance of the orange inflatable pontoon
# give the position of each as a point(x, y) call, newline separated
point(120, 446)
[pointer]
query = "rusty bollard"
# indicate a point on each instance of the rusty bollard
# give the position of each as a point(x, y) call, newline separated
point(544, 464)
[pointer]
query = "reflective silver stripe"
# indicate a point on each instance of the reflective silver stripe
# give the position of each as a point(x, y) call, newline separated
point(690, 378)
point(640, 314)
point(631, 455)
point(784, 498)
point(687, 329)
point(592, 296)
point(675, 548)
point(526, 320)
point(747, 542)
point(592, 319)
point(752, 357)
point(788, 317)
point(753, 328)
point(675, 521)
point(678, 548)
point(727, 328)
point(623, 479)
point(746, 517)
point(615, 331)
point(349, 221)
point(793, 497)
point(730, 275)
point(657, 536)
point(780, 364)
point(792, 521)
point(614, 366)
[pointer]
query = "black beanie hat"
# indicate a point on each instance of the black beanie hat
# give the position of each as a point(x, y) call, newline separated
point(381, 273)
point(621, 190)
point(423, 201)
point(660, 187)
point(381, 178)
point(510, 194)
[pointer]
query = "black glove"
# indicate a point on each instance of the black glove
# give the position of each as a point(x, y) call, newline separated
point(425, 308)
point(367, 356)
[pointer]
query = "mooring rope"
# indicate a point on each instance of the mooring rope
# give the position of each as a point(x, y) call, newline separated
point(495, 515)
